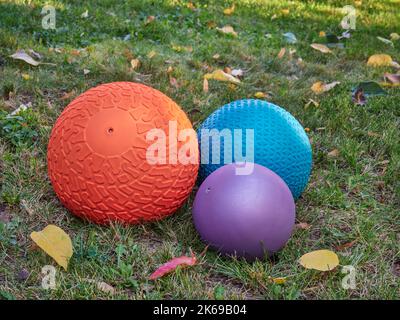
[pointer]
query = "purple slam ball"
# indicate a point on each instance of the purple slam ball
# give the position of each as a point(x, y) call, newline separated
point(248, 216)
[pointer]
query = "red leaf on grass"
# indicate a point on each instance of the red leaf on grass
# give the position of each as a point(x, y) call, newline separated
point(172, 265)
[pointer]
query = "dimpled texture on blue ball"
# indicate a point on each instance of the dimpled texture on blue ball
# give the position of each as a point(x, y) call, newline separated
point(280, 142)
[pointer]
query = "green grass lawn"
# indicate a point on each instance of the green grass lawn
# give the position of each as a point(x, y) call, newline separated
point(352, 197)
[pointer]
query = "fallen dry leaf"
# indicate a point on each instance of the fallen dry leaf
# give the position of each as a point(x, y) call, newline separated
point(171, 266)
point(380, 60)
point(320, 47)
point(311, 102)
point(333, 154)
point(102, 286)
point(22, 55)
point(394, 36)
point(56, 243)
point(105, 287)
point(285, 12)
point(68, 95)
point(260, 95)
point(322, 34)
point(320, 87)
point(322, 260)
point(373, 134)
point(227, 70)
point(302, 226)
point(229, 11)
point(135, 63)
point(205, 85)
point(278, 280)
point(150, 19)
point(228, 30)
point(151, 54)
point(173, 82)
point(220, 75)
point(86, 71)
point(281, 53)
point(85, 14)
point(345, 245)
point(26, 76)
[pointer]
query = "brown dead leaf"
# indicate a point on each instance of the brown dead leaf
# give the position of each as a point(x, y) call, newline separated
point(150, 19)
point(373, 134)
point(302, 226)
point(281, 53)
point(228, 30)
point(173, 82)
point(334, 153)
point(68, 95)
point(345, 245)
point(205, 85)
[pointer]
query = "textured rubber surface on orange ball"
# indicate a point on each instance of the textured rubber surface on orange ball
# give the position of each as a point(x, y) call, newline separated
point(97, 155)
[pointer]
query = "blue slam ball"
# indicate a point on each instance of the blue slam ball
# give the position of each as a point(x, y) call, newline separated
point(256, 131)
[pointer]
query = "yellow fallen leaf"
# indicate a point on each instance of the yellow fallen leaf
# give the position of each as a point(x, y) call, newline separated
point(322, 260)
point(191, 6)
point(394, 36)
point(333, 154)
point(320, 87)
point(278, 280)
point(216, 56)
point(322, 34)
point(151, 54)
point(220, 75)
point(311, 102)
point(25, 76)
point(320, 47)
point(135, 63)
point(56, 243)
point(285, 12)
point(228, 30)
point(260, 95)
point(317, 87)
point(380, 60)
point(229, 11)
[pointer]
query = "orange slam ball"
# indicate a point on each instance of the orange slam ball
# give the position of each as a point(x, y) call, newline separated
point(97, 155)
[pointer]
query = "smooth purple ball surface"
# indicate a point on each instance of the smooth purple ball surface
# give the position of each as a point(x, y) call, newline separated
point(249, 216)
